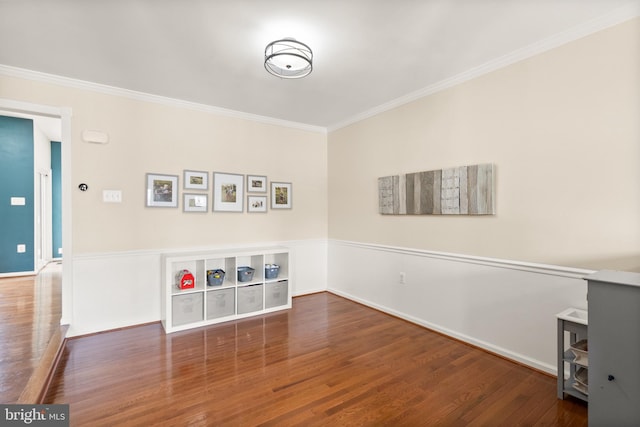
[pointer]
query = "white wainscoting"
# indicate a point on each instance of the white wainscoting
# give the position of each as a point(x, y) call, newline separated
point(114, 290)
point(505, 307)
point(120, 289)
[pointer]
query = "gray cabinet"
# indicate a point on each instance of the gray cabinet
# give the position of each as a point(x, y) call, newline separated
point(614, 349)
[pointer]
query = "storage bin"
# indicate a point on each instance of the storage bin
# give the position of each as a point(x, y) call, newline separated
point(581, 383)
point(215, 277)
point(271, 271)
point(245, 274)
point(581, 352)
point(221, 303)
point(276, 294)
point(249, 298)
point(187, 308)
point(582, 376)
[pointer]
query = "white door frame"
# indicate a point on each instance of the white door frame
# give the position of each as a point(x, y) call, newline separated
point(64, 114)
point(43, 252)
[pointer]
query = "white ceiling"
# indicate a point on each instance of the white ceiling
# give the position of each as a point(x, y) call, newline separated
point(368, 53)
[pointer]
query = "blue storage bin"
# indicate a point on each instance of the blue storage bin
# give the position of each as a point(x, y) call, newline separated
point(215, 277)
point(271, 271)
point(245, 274)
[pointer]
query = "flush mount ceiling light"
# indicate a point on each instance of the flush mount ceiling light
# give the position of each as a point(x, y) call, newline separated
point(288, 59)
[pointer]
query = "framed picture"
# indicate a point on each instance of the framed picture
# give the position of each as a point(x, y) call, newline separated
point(195, 202)
point(162, 190)
point(281, 195)
point(228, 192)
point(256, 184)
point(196, 180)
point(256, 203)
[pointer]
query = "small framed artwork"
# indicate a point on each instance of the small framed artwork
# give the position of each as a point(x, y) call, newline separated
point(228, 192)
point(281, 195)
point(256, 203)
point(195, 202)
point(256, 184)
point(162, 190)
point(196, 180)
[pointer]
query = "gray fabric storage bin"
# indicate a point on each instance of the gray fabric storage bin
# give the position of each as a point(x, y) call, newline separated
point(187, 308)
point(249, 298)
point(276, 294)
point(221, 303)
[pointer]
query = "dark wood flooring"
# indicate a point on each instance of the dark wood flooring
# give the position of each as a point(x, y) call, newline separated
point(326, 362)
point(30, 308)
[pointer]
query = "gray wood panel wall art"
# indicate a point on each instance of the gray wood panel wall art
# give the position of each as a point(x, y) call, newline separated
point(464, 190)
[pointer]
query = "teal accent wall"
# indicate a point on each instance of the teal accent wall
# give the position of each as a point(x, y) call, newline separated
point(56, 199)
point(16, 176)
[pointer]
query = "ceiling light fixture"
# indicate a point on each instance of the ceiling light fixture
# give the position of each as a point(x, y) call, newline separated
point(288, 58)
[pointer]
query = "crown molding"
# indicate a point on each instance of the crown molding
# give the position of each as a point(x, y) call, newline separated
point(615, 17)
point(38, 76)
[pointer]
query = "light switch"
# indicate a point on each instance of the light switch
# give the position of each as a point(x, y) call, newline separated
point(112, 196)
point(22, 249)
point(18, 201)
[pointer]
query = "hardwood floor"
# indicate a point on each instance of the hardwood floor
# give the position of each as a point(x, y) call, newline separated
point(327, 361)
point(30, 308)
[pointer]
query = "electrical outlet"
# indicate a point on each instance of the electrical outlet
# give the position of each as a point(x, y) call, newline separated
point(403, 278)
point(22, 249)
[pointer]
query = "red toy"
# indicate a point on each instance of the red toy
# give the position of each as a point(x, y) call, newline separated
point(185, 280)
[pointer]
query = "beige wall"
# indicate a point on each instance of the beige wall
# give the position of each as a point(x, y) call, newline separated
point(563, 130)
point(150, 137)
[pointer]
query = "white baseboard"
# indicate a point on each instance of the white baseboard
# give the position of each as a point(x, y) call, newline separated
point(544, 367)
point(504, 306)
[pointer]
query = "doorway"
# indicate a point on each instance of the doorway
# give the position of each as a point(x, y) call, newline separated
point(61, 116)
point(27, 163)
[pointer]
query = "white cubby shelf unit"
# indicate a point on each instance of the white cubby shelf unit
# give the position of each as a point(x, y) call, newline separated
point(223, 300)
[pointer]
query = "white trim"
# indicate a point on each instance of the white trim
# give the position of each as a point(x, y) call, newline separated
point(64, 114)
point(503, 306)
point(615, 17)
point(17, 274)
point(308, 292)
point(28, 108)
point(554, 270)
point(22, 73)
point(551, 369)
point(207, 248)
